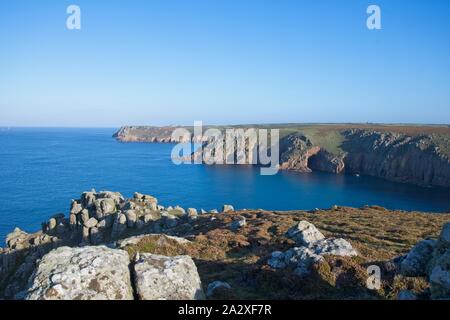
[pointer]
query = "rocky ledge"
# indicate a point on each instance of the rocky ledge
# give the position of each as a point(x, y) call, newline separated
point(110, 247)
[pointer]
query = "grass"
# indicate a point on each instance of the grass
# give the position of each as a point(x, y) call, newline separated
point(328, 136)
point(239, 258)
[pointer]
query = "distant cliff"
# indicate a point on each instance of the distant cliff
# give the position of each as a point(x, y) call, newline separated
point(399, 157)
point(417, 155)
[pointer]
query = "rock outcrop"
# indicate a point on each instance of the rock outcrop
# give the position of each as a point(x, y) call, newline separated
point(416, 261)
point(96, 218)
point(312, 247)
point(431, 258)
point(67, 259)
point(90, 273)
point(305, 233)
point(166, 278)
point(439, 269)
point(295, 152)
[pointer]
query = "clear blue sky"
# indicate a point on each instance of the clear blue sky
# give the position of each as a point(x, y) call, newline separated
point(223, 61)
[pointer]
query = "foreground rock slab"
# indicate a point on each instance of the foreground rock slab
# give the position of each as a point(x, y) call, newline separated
point(416, 261)
point(88, 273)
point(167, 278)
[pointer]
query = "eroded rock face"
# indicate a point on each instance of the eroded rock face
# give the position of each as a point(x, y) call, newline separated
point(336, 247)
point(397, 157)
point(312, 246)
point(302, 258)
point(88, 273)
point(227, 208)
point(295, 150)
point(327, 162)
point(416, 262)
point(170, 278)
point(240, 222)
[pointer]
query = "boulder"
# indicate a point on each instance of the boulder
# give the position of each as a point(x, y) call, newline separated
point(336, 247)
point(92, 222)
point(276, 260)
point(239, 223)
point(138, 196)
point(416, 261)
point(84, 215)
point(151, 216)
point(153, 206)
point(131, 218)
point(88, 199)
point(104, 207)
point(85, 235)
point(140, 224)
point(88, 273)
point(51, 224)
point(305, 233)
point(302, 258)
point(166, 278)
point(17, 239)
point(72, 220)
point(439, 275)
point(116, 196)
point(119, 226)
point(192, 212)
point(227, 208)
point(444, 237)
point(170, 221)
point(96, 236)
point(75, 207)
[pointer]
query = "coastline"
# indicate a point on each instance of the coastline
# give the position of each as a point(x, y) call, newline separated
point(243, 239)
point(409, 154)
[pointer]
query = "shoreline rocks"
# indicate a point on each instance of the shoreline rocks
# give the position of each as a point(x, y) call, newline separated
point(155, 239)
point(311, 247)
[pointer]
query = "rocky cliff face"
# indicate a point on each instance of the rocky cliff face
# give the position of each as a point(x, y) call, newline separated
point(398, 157)
point(407, 158)
point(296, 150)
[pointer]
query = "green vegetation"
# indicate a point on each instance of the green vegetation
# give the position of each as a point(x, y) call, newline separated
point(239, 258)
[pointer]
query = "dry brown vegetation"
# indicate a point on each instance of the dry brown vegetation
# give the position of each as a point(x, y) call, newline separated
point(240, 257)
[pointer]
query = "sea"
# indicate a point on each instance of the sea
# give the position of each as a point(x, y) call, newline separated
point(42, 169)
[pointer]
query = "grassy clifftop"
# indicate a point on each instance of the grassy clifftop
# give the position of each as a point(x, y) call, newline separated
point(240, 257)
point(327, 136)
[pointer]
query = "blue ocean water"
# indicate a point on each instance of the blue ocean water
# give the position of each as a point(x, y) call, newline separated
point(41, 170)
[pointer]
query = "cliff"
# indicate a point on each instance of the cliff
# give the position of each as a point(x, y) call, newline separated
point(110, 247)
point(410, 154)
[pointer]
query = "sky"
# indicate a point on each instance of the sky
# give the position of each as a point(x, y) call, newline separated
point(163, 62)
